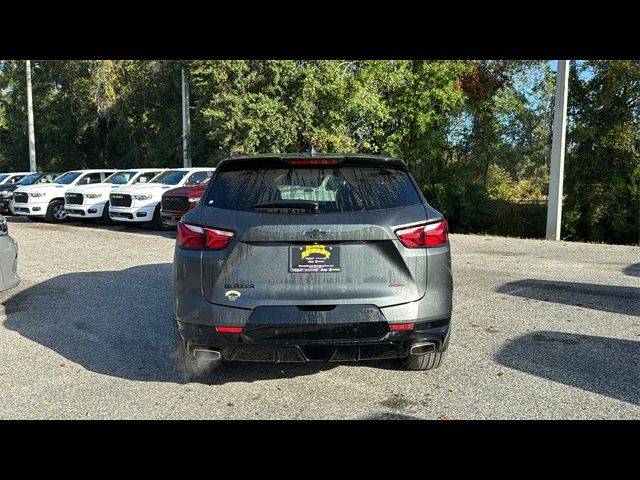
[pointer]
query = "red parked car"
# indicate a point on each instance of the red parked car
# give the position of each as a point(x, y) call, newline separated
point(178, 201)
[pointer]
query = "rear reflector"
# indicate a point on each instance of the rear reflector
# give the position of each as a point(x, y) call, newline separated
point(229, 329)
point(430, 235)
point(401, 326)
point(313, 161)
point(198, 238)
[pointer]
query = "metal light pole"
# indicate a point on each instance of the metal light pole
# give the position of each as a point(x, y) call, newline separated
point(186, 122)
point(554, 207)
point(31, 131)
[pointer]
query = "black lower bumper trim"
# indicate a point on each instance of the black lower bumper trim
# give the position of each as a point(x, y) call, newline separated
point(241, 347)
point(315, 353)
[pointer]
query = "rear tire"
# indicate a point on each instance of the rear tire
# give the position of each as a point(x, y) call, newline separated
point(56, 212)
point(194, 370)
point(428, 361)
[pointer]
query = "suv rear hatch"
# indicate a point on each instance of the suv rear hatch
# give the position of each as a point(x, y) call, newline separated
point(313, 232)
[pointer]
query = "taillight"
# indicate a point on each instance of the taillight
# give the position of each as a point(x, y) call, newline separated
point(217, 239)
point(313, 161)
point(190, 236)
point(198, 238)
point(430, 235)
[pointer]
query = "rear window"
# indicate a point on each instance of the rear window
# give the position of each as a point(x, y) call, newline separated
point(338, 189)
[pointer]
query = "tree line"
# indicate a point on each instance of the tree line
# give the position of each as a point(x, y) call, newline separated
point(476, 134)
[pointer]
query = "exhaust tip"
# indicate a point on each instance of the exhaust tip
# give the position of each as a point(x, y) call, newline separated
point(206, 354)
point(422, 348)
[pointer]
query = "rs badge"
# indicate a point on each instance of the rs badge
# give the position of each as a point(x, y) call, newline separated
point(232, 295)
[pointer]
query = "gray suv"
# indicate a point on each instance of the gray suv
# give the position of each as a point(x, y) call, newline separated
point(311, 257)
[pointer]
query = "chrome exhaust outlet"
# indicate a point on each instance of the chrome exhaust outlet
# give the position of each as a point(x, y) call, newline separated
point(422, 348)
point(206, 354)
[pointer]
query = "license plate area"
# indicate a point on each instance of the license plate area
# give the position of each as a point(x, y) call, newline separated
point(314, 258)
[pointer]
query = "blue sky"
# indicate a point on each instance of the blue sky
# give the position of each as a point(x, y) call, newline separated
point(585, 74)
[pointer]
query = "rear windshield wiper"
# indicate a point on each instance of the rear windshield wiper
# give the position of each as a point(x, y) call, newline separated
point(284, 205)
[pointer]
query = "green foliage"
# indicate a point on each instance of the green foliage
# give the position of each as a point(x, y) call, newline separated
point(603, 159)
point(476, 134)
point(519, 219)
point(92, 114)
point(464, 203)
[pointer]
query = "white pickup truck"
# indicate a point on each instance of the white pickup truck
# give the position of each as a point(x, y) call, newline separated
point(138, 204)
point(46, 201)
point(91, 202)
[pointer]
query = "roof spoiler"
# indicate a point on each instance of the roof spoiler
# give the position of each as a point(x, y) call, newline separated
point(310, 158)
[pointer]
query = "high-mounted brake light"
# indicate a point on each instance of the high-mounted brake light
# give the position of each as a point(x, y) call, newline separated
point(313, 161)
point(430, 235)
point(198, 238)
point(229, 329)
point(394, 327)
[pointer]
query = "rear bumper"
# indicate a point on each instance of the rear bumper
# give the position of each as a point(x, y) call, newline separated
point(314, 342)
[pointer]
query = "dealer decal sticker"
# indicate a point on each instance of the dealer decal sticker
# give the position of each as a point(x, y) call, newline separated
point(319, 249)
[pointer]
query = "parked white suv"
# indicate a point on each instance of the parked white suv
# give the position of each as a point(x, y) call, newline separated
point(90, 202)
point(137, 204)
point(46, 201)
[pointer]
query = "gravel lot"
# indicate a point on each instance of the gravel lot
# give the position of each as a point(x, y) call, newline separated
point(541, 330)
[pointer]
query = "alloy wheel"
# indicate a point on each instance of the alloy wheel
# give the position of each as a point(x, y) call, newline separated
point(59, 212)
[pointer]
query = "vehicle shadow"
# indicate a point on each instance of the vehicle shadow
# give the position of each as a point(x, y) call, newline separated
point(606, 366)
point(139, 230)
point(632, 270)
point(248, 372)
point(17, 219)
point(391, 416)
point(608, 298)
point(146, 229)
point(119, 323)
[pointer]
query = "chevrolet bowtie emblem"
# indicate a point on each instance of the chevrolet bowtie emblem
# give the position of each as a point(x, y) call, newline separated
point(315, 232)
